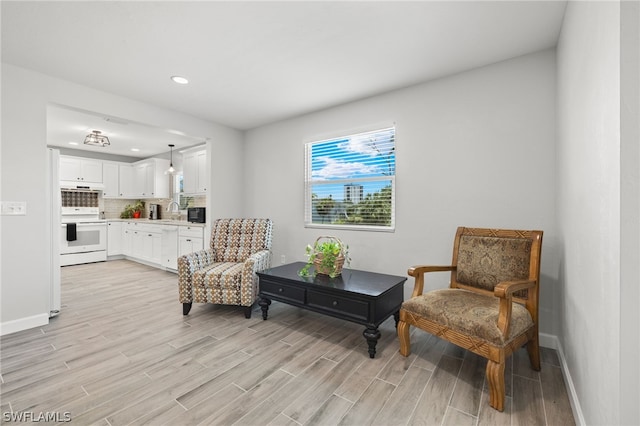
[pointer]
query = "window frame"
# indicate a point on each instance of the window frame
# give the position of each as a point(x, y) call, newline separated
point(309, 181)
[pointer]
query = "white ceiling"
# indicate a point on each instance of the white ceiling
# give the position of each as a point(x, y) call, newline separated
point(253, 63)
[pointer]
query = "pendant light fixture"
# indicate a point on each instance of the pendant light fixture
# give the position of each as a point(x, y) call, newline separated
point(171, 170)
point(96, 138)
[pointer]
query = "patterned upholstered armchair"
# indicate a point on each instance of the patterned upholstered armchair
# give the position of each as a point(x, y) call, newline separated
point(491, 305)
point(225, 273)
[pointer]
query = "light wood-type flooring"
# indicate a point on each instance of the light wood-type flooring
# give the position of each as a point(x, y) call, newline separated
point(121, 352)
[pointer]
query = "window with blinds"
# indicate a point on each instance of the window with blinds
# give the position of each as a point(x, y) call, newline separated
point(350, 181)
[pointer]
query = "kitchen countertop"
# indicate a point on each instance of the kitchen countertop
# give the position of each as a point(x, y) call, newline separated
point(160, 222)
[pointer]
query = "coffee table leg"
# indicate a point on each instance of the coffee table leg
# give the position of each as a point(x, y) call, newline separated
point(264, 305)
point(396, 316)
point(372, 335)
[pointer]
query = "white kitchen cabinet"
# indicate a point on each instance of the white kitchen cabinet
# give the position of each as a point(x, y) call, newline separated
point(146, 242)
point(127, 239)
point(83, 170)
point(202, 172)
point(190, 239)
point(149, 178)
point(194, 174)
point(125, 181)
point(170, 247)
point(153, 243)
point(114, 238)
point(140, 187)
point(111, 180)
point(152, 247)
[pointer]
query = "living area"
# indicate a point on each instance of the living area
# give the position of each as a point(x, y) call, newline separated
point(531, 141)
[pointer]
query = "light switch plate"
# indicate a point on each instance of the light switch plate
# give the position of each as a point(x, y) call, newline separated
point(14, 208)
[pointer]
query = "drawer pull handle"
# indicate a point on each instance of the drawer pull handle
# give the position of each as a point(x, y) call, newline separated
point(280, 290)
point(335, 303)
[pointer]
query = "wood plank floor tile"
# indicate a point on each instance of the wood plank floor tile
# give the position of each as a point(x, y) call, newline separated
point(454, 417)
point(398, 408)
point(121, 352)
point(331, 412)
point(556, 401)
point(468, 390)
point(275, 403)
point(528, 407)
point(368, 405)
point(434, 401)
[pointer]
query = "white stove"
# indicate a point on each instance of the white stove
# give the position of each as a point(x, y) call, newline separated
point(80, 214)
point(84, 236)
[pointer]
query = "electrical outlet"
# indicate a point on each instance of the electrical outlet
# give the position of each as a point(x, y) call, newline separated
point(283, 259)
point(14, 208)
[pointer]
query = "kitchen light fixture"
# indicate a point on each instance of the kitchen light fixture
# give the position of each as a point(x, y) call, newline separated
point(171, 170)
point(179, 79)
point(96, 138)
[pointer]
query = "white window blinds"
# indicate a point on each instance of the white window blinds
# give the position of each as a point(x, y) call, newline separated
point(350, 181)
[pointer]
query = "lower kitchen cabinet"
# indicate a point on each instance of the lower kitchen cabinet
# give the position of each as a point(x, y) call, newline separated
point(190, 239)
point(146, 242)
point(155, 244)
point(114, 238)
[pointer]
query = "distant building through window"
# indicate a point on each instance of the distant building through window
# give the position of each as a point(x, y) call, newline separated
point(353, 193)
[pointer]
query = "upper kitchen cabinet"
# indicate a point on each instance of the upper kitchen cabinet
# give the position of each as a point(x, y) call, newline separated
point(125, 184)
point(111, 180)
point(194, 175)
point(80, 170)
point(149, 178)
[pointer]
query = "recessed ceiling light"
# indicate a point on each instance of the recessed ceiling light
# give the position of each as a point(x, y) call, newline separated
point(135, 149)
point(180, 80)
point(73, 143)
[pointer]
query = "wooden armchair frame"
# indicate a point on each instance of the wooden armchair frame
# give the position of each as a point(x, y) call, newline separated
point(521, 291)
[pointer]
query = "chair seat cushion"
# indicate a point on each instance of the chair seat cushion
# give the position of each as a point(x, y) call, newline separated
point(469, 313)
point(220, 275)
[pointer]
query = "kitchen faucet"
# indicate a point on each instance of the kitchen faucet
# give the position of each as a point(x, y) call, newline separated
point(174, 208)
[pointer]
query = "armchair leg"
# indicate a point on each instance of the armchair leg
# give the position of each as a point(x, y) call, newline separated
point(495, 379)
point(186, 307)
point(403, 335)
point(247, 311)
point(533, 348)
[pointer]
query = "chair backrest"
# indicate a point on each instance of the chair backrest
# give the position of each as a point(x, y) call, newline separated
point(485, 257)
point(234, 240)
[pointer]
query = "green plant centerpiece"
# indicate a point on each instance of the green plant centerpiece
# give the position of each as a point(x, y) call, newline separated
point(327, 257)
point(134, 210)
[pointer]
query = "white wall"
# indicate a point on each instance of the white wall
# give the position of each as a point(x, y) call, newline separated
point(473, 149)
point(589, 205)
point(25, 275)
point(630, 211)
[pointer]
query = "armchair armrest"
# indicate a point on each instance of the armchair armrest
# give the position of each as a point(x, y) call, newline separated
point(418, 273)
point(258, 261)
point(504, 291)
point(187, 264)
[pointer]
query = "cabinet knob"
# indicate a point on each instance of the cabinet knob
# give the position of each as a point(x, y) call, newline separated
point(335, 303)
point(280, 290)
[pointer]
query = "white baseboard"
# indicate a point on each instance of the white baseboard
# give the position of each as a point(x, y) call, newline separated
point(23, 324)
point(552, 341)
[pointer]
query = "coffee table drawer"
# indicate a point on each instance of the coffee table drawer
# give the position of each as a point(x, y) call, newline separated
point(356, 309)
point(282, 291)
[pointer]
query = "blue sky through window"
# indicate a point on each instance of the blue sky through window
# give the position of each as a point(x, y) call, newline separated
point(366, 159)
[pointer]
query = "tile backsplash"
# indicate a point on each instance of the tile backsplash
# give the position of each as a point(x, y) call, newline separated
point(79, 199)
point(112, 207)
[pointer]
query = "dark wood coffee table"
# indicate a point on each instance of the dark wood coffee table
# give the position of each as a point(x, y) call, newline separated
point(366, 298)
